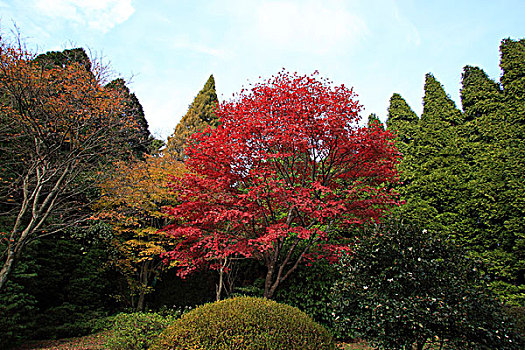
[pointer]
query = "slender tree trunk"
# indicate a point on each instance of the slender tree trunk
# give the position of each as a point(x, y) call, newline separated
point(7, 268)
point(143, 285)
point(140, 302)
point(271, 285)
point(38, 210)
point(219, 288)
point(269, 278)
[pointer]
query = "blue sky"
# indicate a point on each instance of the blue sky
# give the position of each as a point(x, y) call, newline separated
point(170, 48)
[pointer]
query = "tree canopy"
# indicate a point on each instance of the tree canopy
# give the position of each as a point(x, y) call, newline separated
point(56, 122)
point(287, 168)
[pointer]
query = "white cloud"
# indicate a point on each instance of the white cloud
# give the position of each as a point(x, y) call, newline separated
point(410, 31)
point(101, 15)
point(308, 25)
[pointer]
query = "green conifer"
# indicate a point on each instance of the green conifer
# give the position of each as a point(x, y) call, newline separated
point(482, 211)
point(513, 66)
point(139, 138)
point(436, 187)
point(373, 120)
point(513, 238)
point(201, 114)
point(66, 57)
point(402, 122)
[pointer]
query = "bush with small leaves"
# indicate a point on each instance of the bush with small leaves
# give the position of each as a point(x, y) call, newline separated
point(405, 287)
point(245, 323)
point(136, 331)
point(309, 290)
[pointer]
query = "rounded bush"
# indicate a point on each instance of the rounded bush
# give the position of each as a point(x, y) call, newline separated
point(245, 323)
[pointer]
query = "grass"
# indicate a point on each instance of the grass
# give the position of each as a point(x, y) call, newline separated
point(362, 345)
point(96, 342)
point(89, 342)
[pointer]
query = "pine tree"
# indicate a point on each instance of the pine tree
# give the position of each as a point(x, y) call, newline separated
point(201, 114)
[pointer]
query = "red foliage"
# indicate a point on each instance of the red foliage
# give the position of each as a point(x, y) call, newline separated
point(288, 169)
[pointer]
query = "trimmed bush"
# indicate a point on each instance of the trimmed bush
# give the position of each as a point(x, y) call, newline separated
point(136, 331)
point(245, 323)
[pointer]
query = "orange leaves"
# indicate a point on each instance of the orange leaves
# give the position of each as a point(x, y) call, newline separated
point(59, 104)
point(58, 125)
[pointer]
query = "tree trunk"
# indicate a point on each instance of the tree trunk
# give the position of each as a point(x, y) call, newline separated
point(268, 280)
point(7, 268)
point(218, 288)
point(270, 285)
point(39, 211)
point(140, 302)
point(272, 290)
point(143, 284)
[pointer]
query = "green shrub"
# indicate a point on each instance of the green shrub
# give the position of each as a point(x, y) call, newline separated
point(245, 323)
point(308, 289)
point(136, 331)
point(403, 286)
point(103, 323)
point(16, 314)
point(517, 314)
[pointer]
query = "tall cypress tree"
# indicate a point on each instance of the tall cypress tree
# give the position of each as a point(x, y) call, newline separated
point(479, 95)
point(484, 110)
point(403, 123)
point(436, 186)
point(463, 172)
point(66, 57)
point(484, 148)
point(200, 115)
point(513, 81)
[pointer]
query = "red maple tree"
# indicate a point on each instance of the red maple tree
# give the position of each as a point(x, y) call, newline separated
point(285, 174)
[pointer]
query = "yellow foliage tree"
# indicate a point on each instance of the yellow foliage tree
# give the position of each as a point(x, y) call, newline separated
point(133, 195)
